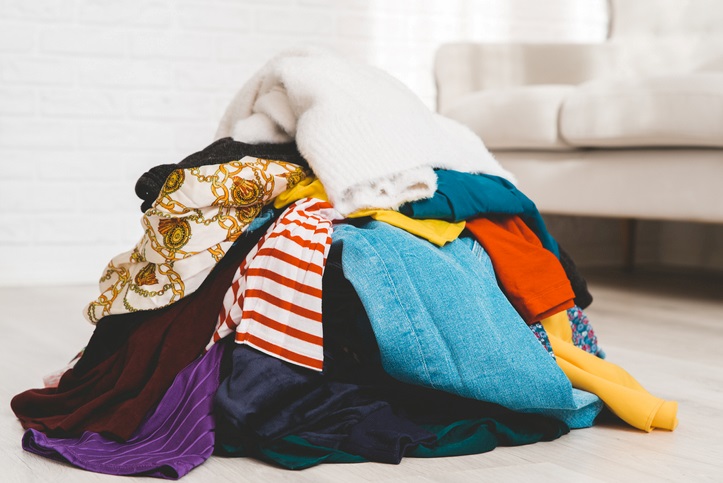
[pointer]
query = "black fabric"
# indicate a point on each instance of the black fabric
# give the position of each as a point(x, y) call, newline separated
point(583, 297)
point(351, 353)
point(224, 150)
point(382, 435)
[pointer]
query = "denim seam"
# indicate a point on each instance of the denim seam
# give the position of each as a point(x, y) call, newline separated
point(397, 299)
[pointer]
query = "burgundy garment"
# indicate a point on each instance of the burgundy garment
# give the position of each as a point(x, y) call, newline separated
point(113, 396)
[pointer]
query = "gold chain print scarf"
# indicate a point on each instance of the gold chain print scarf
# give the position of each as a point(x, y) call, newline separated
point(197, 216)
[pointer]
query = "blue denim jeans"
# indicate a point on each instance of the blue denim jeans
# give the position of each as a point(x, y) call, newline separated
point(441, 321)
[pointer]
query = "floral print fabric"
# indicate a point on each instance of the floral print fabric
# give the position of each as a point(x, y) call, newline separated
point(541, 335)
point(583, 335)
point(197, 216)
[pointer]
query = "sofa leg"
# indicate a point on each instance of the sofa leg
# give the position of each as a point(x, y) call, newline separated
point(629, 229)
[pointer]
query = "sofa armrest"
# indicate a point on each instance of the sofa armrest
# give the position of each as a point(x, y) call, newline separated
point(461, 68)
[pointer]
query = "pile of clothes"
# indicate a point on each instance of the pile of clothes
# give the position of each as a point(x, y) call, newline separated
point(343, 276)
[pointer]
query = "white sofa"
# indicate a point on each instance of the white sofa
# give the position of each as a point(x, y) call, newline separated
point(630, 128)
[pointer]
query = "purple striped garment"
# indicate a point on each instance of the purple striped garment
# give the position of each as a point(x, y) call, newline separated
point(174, 438)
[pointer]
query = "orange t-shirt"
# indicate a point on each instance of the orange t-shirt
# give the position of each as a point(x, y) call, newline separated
point(531, 276)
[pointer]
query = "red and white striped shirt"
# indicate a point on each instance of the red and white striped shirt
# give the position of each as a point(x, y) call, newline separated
point(274, 302)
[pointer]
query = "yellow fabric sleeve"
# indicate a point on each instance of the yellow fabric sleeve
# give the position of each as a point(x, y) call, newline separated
point(616, 387)
point(559, 326)
point(438, 232)
point(309, 187)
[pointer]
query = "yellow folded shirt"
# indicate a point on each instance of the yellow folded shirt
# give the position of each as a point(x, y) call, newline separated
point(309, 187)
point(616, 387)
point(438, 232)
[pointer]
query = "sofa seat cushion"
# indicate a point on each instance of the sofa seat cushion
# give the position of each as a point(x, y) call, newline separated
point(522, 117)
point(681, 110)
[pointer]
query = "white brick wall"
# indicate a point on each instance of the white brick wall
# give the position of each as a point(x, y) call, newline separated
point(95, 92)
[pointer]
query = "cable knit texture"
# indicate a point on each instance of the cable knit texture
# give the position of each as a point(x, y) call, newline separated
point(367, 137)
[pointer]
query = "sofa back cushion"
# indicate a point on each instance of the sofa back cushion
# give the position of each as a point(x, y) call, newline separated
point(519, 117)
point(675, 110)
point(461, 68)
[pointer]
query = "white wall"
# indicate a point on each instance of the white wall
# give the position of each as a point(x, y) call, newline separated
point(93, 93)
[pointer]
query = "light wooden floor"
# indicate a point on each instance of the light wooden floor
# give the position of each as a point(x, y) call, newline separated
point(666, 330)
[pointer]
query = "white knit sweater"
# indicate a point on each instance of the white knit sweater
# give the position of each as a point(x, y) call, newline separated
point(366, 136)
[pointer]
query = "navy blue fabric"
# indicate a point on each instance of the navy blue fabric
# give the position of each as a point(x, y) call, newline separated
point(271, 398)
point(381, 435)
point(266, 399)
